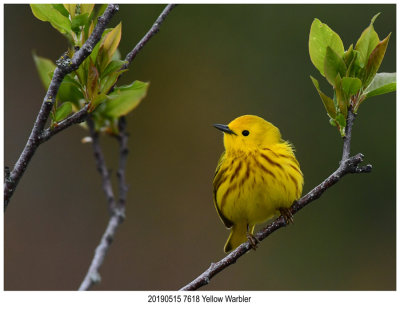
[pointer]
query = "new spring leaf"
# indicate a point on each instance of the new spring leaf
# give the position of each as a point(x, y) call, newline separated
point(124, 99)
point(321, 36)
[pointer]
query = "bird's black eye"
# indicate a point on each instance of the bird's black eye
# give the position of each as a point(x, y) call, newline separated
point(245, 132)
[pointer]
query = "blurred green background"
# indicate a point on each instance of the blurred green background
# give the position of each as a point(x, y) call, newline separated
point(209, 64)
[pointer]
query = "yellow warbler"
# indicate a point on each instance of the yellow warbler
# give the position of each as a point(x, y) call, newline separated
point(257, 177)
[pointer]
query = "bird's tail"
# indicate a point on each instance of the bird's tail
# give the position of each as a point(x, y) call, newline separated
point(237, 236)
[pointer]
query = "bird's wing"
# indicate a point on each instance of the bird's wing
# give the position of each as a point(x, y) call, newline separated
point(216, 183)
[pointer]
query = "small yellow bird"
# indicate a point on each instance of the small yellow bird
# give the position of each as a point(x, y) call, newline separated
point(257, 177)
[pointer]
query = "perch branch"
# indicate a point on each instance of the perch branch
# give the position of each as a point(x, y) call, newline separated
point(348, 165)
point(117, 211)
point(64, 67)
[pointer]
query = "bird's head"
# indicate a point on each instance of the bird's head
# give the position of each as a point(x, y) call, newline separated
point(248, 132)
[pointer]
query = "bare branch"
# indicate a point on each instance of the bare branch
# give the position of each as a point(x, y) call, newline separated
point(347, 139)
point(102, 166)
point(93, 275)
point(122, 138)
point(348, 165)
point(153, 30)
point(64, 67)
point(117, 209)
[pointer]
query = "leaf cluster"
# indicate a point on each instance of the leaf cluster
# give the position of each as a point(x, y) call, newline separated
point(352, 73)
point(93, 83)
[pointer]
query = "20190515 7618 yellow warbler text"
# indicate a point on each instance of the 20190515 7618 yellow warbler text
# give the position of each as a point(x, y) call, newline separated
point(257, 177)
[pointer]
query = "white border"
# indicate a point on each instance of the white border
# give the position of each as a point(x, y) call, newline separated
point(136, 299)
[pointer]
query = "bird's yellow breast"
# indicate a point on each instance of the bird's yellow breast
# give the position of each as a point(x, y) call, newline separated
point(251, 186)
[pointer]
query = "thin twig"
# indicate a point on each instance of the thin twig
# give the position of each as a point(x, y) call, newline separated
point(64, 67)
point(153, 30)
point(93, 275)
point(122, 138)
point(347, 138)
point(117, 211)
point(78, 117)
point(102, 166)
point(348, 165)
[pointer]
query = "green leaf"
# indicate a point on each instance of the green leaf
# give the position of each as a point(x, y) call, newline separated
point(109, 81)
point(117, 55)
point(96, 49)
point(69, 92)
point(381, 84)
point(321, 36)
point(352, 68)
point(87, 8)
point(79, 21)
point(61, 8)
point(333, 66)
point(367, 43)
point(124, 99)
point(110, 44)
point(97, 101)
point(113, 66)
point(82, 71)
point(328, 102)
point(92, 85)
point(63, 111)
point(350, 85)
point(45, 68)
point(348, 55)
point(46, 12)
point(341, 120)
point(375, 60)
point(71, 8)
point(341, 99)
point(70, 79)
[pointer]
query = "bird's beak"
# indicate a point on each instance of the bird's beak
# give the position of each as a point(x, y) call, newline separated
point(224, 128)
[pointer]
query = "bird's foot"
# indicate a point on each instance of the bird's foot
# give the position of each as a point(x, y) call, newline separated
point(252, 240)
point(287, 215)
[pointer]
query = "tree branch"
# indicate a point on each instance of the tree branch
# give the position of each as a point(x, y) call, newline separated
point(78, 117)
point(64, 67)
point(348, 165)
point(93, 275)
point(347, 138)
point(102, 166)
point(122, 138)
point(117, 211)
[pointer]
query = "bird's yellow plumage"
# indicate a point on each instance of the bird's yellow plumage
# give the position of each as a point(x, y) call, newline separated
point(256, 177)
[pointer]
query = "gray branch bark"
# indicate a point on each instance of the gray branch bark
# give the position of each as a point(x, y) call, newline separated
point(117, 210)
